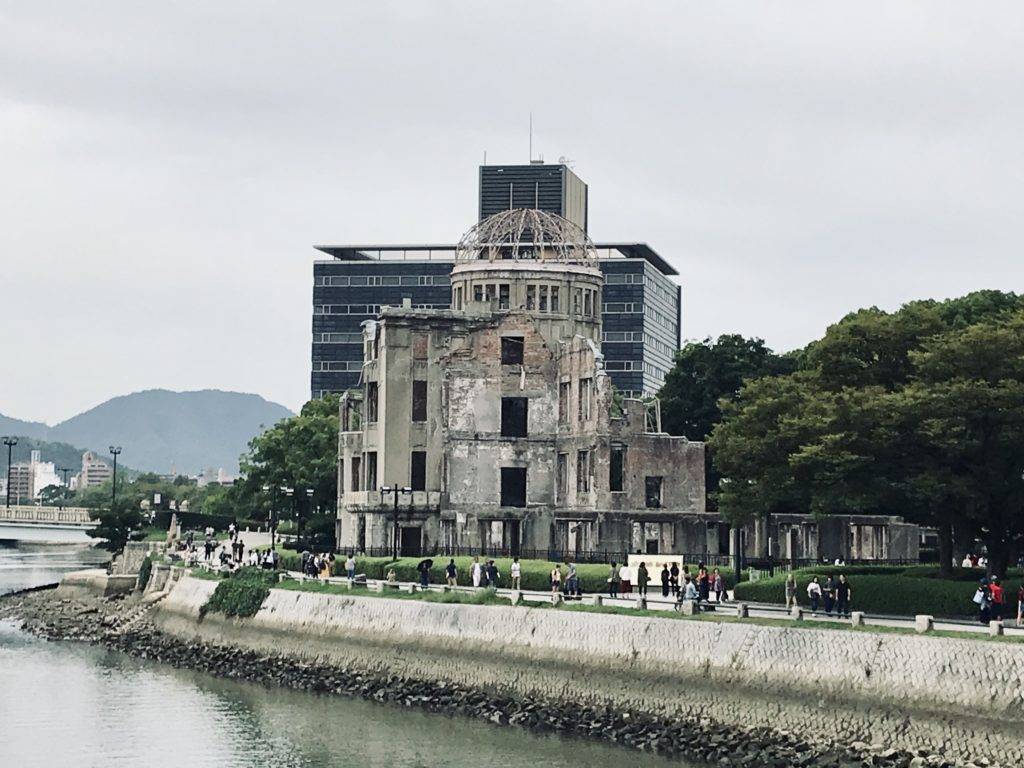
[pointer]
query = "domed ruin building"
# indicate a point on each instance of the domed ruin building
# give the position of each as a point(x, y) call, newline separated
point(493, 424)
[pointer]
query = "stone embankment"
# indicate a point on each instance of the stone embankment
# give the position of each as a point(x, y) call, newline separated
point(725, 694)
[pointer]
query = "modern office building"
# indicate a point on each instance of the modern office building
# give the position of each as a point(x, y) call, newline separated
point(95, 471)
point(641, 304)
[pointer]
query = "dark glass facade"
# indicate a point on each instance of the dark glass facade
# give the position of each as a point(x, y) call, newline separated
point(641, 314)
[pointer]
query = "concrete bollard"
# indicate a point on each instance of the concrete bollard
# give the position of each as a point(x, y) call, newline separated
point(995, 628)
point(556, 598)
point(515, 596)
point(923, 623)
point(598, 599)
point(742, 611)
point(857, 619)
point(377, 586)
point(688, 607)
point(641, 604)
point(407, 588)
point(796, 613)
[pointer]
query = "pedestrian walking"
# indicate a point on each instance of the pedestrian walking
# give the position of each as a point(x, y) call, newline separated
point(350, 568)
point(451, 573)
point(625, 579)
point(790, 591)
point(476, 572)
point(492, 575)
point(613, 580)
point(829, 594)
point(665, 580)
point(642, 578)
point(718, 586)
point(516, 572)
point(1020, 604)
point(814, 594)
point(996, 593)
point(555, 579)
point(572, 583)
point(673, 579)
point(703, 583)
point(843, 596)
point(424, 567)
point(983, 600)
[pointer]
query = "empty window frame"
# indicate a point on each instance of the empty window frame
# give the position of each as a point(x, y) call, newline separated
point(542, 298)
point(586, 387)
point(371, 401)
point(577, 301)
point(420, 346)
point(357, 478)
point(563, 402)
point(531, 297)
point(554, 298)
point(617, 468)
point(512, 350)
point(418, 470)
point(458, 298)
point(582, 471)
point(588, 303)
point(652, 492)
point(503, 296)
point(419, 400)
point(562, 478)
point(371, 470)
point(513, 416)
point(513, 486)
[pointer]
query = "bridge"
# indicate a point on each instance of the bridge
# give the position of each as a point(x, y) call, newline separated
point(45, 524)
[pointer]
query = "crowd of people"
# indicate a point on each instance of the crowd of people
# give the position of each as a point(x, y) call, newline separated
point(834, 595)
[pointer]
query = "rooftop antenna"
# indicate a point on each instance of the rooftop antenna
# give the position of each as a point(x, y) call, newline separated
point(531, 137)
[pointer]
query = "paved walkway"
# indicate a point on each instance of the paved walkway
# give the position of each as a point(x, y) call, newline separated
point(655, 602)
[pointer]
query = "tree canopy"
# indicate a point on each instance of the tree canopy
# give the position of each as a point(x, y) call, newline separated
point(919, 412)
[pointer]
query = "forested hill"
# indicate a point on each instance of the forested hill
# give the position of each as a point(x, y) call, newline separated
point(159, 430)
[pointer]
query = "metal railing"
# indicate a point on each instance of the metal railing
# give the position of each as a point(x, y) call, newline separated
point(555, 555)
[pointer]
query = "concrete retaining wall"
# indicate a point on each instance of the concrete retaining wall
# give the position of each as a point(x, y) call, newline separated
point(95, 582)
point(963, 695)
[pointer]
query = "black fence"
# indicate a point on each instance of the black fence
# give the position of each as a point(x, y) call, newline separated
point(552, 555)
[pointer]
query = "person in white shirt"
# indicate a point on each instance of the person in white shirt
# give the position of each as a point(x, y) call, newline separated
point(967, 562)
point(625, 580)
point(476, 571)
point(517, 573)
point(814, 594)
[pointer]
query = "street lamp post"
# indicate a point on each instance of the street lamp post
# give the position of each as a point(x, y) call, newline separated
point(394, 490)
point(10, 442)
point(290, 493)
point(64, 493)
point(309, 503)
point(114, 451)
point(271, 523)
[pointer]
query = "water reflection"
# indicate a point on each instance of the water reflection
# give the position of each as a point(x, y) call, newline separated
point(68, 704)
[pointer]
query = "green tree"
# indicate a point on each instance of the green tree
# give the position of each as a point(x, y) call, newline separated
point(117, 524)
point(704, 373)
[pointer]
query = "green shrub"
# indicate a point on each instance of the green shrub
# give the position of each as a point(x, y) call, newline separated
point(144, 571)
point(241, 594)
point(892, 593)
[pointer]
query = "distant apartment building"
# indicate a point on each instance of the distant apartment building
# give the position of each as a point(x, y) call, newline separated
point(641, 306)
point(95, 471)
point(21, 482)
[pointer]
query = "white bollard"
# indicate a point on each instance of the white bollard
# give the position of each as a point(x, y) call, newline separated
point(598, 599)
point(641, 603)
point(742, 611)
point(688, 607)
point(515, 596)
point(857, 619)
point(923, 623)
point(556, 598)
point(796, 613)
point(995, 628)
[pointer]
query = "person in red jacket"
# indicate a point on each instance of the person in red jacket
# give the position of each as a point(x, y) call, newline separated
point(996, 592)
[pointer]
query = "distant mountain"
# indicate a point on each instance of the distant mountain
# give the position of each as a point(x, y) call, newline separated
point(159, 429)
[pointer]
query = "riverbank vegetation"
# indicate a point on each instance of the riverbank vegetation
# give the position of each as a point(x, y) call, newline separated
point(240, 595)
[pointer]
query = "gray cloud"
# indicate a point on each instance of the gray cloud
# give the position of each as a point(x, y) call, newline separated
point(167, 167)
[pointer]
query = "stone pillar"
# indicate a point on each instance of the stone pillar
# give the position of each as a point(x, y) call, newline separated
point(641, 604)
point(923, 623)
point(995, 628)
point(598, 599)
point(742, 611)
point(515, 596)
point(857, 619)
point(556, 598)
point(688, 607)
point(796, 613)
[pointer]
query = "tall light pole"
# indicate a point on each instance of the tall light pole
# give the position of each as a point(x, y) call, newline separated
point(64, 494)
point(270, 518)
point(114, 450)
point(309, 503)
point(289, 492)
point(394, 490)
point(10, 442)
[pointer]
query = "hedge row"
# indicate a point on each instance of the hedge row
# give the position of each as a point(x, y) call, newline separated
point(894, 593)
point(536, 574)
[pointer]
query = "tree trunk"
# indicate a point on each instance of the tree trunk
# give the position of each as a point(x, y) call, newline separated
point(946, 549)
point(998, 557)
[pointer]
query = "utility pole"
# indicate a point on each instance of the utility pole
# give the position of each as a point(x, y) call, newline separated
point(10, 442)
point(114, 450)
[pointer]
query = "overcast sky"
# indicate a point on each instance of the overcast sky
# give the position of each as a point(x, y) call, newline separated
point(167, 167)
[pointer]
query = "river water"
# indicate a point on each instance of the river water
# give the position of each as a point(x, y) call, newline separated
point(65, 705)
